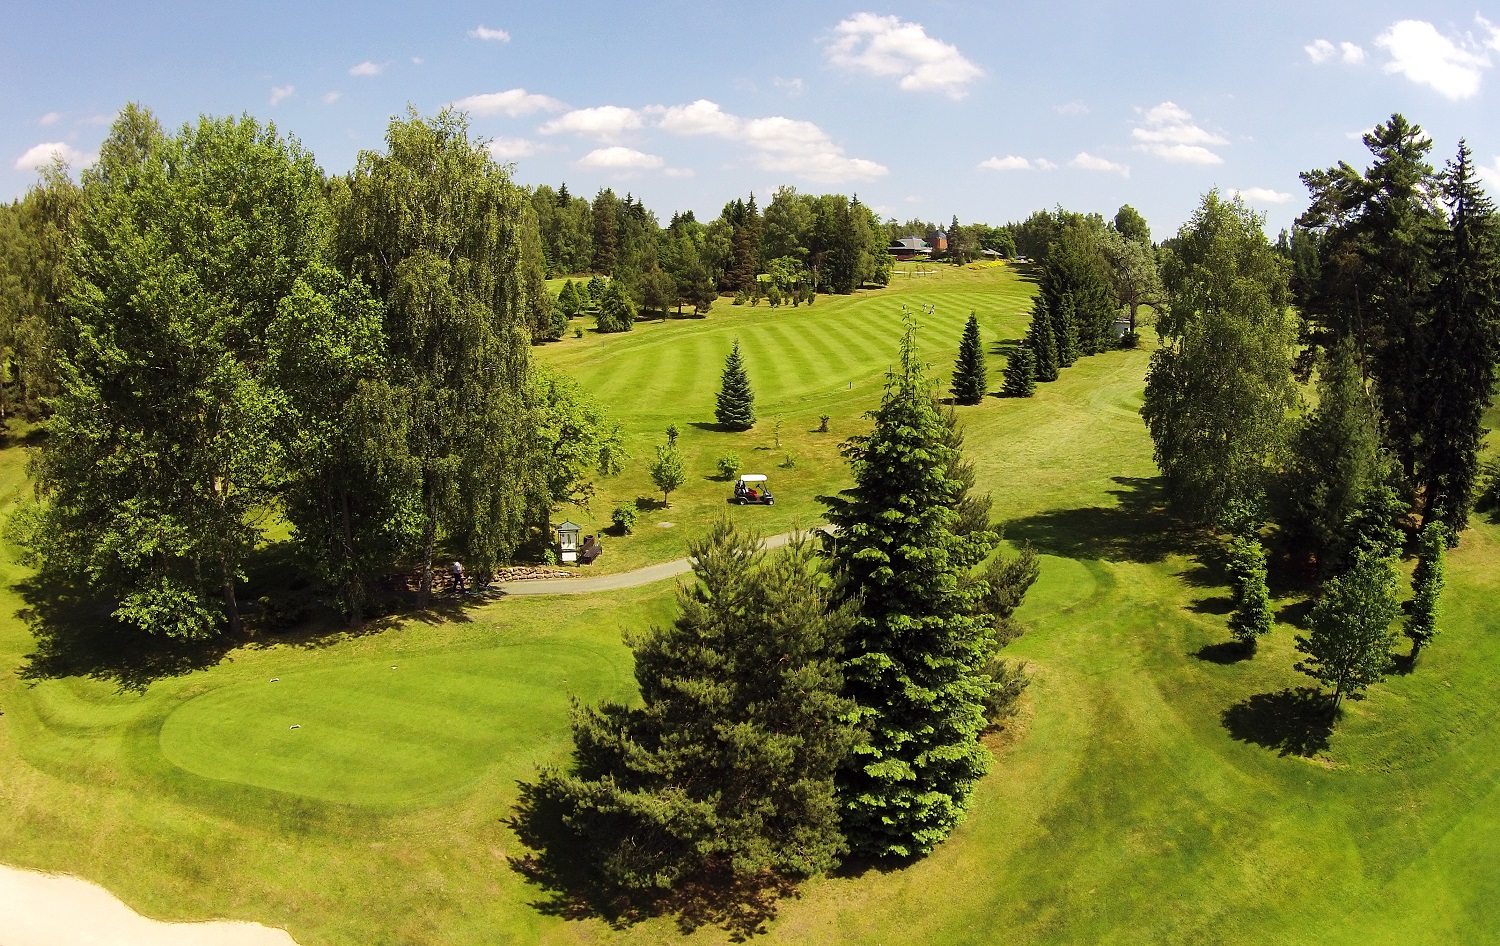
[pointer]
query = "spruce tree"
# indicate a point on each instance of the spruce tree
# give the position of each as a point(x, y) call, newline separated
point(916, 657)
point(1252, 617)
point(1458, 363)
point(569, 301)
point(1020, 372)
point(970, 379)
point(725, 772)
point(1065, 330)
point(1042, 342)
point(1426, 585)
point(735, 409)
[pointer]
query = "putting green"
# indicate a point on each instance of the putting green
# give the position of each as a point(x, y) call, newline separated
point(384, 733)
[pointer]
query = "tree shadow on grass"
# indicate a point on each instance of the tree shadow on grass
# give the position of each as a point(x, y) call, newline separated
point(1225, 652)
point(560, 863)
point(1295, 721)
point(76, 636)
point(1138, 528)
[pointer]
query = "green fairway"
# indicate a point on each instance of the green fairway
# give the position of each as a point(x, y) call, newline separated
point(1157, 790)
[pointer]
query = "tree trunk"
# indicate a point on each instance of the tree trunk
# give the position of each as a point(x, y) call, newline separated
point(231, 605)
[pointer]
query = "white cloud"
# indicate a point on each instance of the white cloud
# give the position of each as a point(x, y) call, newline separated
point(1083, 161)
point(417, 60)
point(1427, 57)
point(281, 93)
point(775, 143)
point(1074, 107)
point(512, 102)
point(508, 149)
point(1494, 39)
point(790, 86)
point(890, 46)
point(485, 33)
point(1042, 164)
point(1351, 54)
point(700, 118)
point(1010, 162)
point(39, 156)
point(678, 172)
point(1167, 131)
point(1260, 195)
point(604, 122)
point(51, 118)
point(366, 68)
point(1320, 50)
point(617, 158)
point(330, 97)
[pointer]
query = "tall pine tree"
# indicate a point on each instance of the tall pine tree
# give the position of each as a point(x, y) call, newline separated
point(735, 409)
point(916, 656)
point(725, 772)
point(1042, 342)
point(1065, 330)
point(970, 379)
point(1459, 350)
point(1426, 586)
point(1020, 372)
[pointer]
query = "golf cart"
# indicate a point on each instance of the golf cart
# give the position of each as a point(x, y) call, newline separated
point(751, 491)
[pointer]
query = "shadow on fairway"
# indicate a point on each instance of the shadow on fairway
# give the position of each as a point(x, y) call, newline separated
point(1295, 721)
point(559, 862)
point(1225, 652)
point(1137, 528)
point(77, 637)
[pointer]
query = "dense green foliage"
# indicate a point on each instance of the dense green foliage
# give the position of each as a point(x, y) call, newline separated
point(725, 772)
point(616, 311)
point(1348, 644)
point(1041, 339)
point(1252, 617)
point(735, 406)
point(1427, 582)
point(1220, 392)
point(1020, 372)
point(916, 656)
point(970, 378)
point(1416, 294)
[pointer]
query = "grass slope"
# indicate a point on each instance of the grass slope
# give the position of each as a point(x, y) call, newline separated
point(1161, 791)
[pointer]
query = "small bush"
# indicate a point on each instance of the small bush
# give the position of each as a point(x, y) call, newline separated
point(577, 331)
point(1130, 340)
point(623, 517)
point(822, 423)
point(790, 463)
point(1008, 681)
point(741, 297)
point(729, 466)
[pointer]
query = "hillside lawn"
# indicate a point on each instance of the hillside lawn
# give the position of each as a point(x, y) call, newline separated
point(1155, 790)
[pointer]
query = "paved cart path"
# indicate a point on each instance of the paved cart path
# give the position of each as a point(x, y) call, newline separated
point(631, 579)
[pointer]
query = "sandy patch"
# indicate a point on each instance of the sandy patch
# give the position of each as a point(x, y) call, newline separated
point(39, 909)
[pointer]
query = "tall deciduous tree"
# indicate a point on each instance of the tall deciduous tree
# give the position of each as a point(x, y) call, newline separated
point(163, 441)
point(970, 378)
point(667, 470)
point(1459, 349)
point(735, 407)
point(1349, 644)
point(34, 239)
point(725, 772)
point(1133, 270)
point(916, 656)
point(352, 492)
point(1219, 393)
point(433, 225)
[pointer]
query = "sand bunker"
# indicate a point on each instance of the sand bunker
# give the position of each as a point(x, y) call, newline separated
point(54, 910)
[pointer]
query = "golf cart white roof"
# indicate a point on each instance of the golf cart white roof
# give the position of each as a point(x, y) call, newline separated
point(752, 477)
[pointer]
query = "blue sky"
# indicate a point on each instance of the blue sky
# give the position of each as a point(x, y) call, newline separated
point(984, 110)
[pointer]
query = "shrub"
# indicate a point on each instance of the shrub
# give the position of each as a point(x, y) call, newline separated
point(822, 423)
point(1130, 340)
point(623, 517)
point(790, 463)
point(729, 466)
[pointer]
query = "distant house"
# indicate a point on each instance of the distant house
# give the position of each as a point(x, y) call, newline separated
point(938, 240)
point(910, 247)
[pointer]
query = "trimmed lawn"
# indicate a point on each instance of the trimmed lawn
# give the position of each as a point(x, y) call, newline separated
point(1156, 790)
